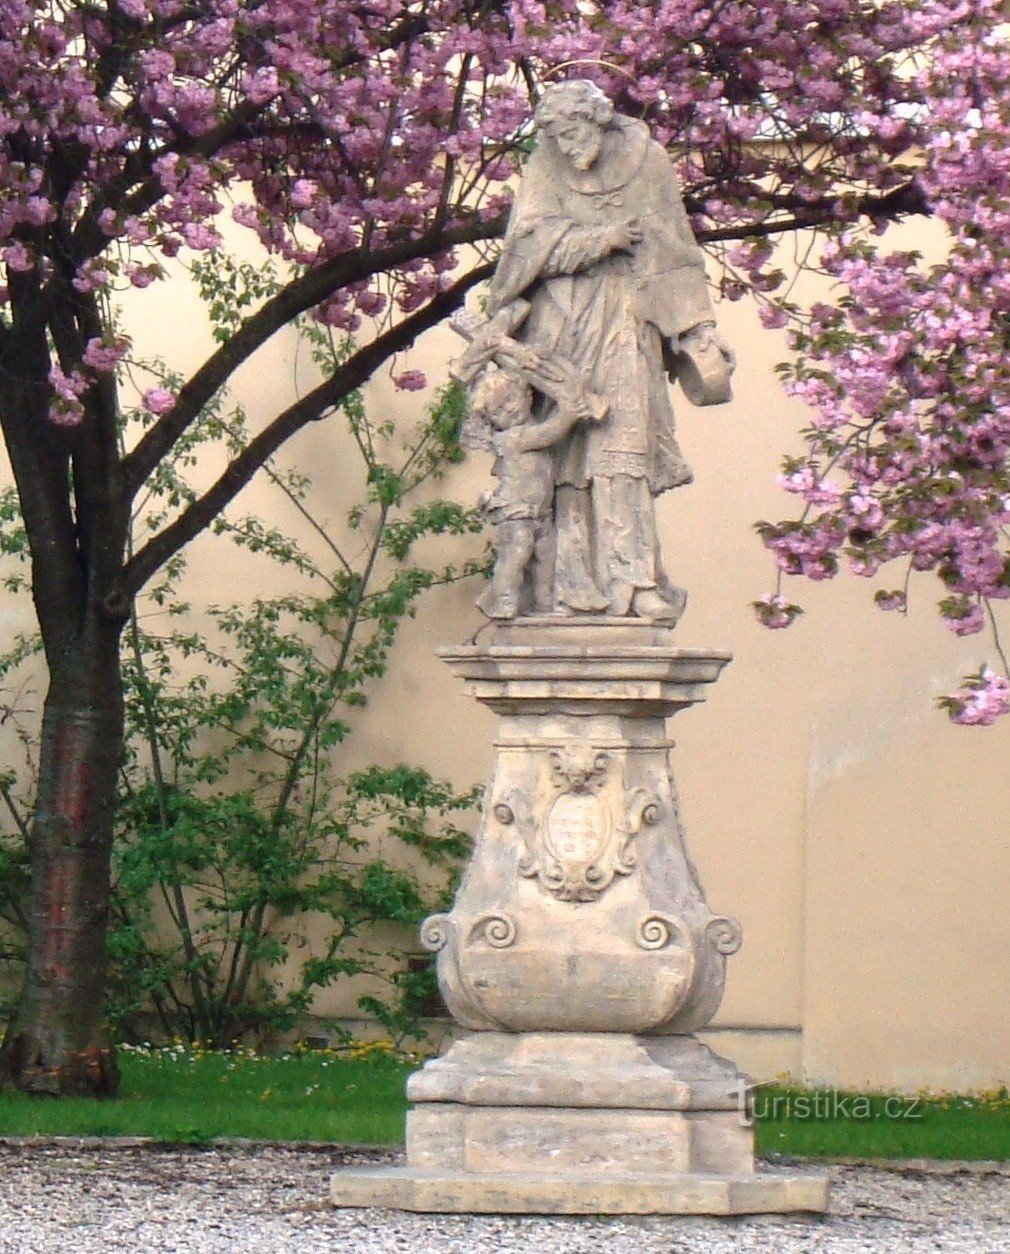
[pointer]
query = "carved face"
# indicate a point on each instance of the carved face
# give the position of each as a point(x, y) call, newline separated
point(506, 401)
point(513, 409)
point(579, 765)
point(579, 139)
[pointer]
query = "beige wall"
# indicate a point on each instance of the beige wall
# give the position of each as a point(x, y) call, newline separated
point(859, 837)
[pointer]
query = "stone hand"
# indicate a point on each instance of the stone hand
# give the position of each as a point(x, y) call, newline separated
point(623, 236)
point(519, 356)
point(587, 411)
point(705, 335)
point(548, 370)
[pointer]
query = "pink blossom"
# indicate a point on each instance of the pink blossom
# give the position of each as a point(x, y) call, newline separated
point(371, 302)
point(142, 276)
point(158, 401)
point(102, 356)
point(66, 409)
point(410, 380)
point(814, 490)
point(891, 601)
point(37, 211)
point(262, 85)
point(90, 277)
point(984, 698)
point(69, 387)
point(775, 612)
point(962, 615)
point(865, 565)
point(773, 316)
point(303, 193)
point(200, 236)
point(865, 511)
point(16, 258)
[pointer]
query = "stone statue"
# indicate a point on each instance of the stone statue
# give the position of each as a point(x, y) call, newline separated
point(580, 956)
point(520, 507)
point(601, 277)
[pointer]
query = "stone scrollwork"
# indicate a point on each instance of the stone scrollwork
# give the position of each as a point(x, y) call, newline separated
point(657, 931)
point(580, 838)
point(668, 937)
point(435, 932)
point(725, 933)
point(498, 930)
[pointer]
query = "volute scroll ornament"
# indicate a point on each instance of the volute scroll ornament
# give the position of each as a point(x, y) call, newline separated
point(498, 930)
point(436, 931)
point(725, 933)
point(657, 931)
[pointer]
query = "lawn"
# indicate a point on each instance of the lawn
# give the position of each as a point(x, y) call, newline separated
point(185, 1095)
point(190, 1096)
point(828, 1124)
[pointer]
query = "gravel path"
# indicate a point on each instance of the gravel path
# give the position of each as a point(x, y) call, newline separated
point(61, 1199)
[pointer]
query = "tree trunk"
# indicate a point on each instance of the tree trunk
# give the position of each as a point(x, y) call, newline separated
point(57, 1041)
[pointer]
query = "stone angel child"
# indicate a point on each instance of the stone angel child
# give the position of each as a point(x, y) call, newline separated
point(520, 508)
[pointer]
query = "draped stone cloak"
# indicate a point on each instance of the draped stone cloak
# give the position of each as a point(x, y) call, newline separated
point(614, 315)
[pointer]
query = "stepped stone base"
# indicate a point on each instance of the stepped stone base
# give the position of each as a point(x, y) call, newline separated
point(580, 1192)
point(575, 1123)
point(581, 954)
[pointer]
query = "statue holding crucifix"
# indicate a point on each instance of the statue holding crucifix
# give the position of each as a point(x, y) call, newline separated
point(580, 956)
point(598, 300)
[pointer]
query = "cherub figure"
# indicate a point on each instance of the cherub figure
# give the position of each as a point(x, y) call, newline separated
point(520, 508)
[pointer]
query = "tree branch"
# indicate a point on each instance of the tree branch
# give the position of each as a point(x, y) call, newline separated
point(351, 375)
point(299, 296)
point(89, 239)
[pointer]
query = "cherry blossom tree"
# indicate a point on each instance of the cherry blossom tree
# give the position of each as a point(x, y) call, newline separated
point(367, 147)
point(905, 462)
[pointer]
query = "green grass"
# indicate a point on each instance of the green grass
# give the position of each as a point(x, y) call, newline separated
point(185, 1096)
point(824, 1124)
point(189, 1096)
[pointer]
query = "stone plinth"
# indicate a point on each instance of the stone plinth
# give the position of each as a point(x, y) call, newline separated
point(570, 1193)
point(580, 954)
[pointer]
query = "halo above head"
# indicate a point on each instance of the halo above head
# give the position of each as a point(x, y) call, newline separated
point(577, 97)
point(607, 65)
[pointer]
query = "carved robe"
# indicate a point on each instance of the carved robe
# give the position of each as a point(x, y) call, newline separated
point(617, 316)
point(611, 313)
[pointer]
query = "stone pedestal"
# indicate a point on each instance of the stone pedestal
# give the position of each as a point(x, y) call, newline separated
point(580, 955)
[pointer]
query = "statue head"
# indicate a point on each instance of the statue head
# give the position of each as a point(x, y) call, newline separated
point(575, 115)
point(501, 399)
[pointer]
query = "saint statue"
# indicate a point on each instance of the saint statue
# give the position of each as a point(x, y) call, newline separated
point(598, 300)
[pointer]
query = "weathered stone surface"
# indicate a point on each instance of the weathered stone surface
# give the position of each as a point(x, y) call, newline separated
point(580, 911)
point(512, 1140)
point(599, 299)
point(590, 1069)
point(581, 953)
point(580, 950)
point(575, 1193)
point(585, 667)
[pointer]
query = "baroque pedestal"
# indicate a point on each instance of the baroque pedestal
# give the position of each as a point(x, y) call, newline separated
point(580, 956)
